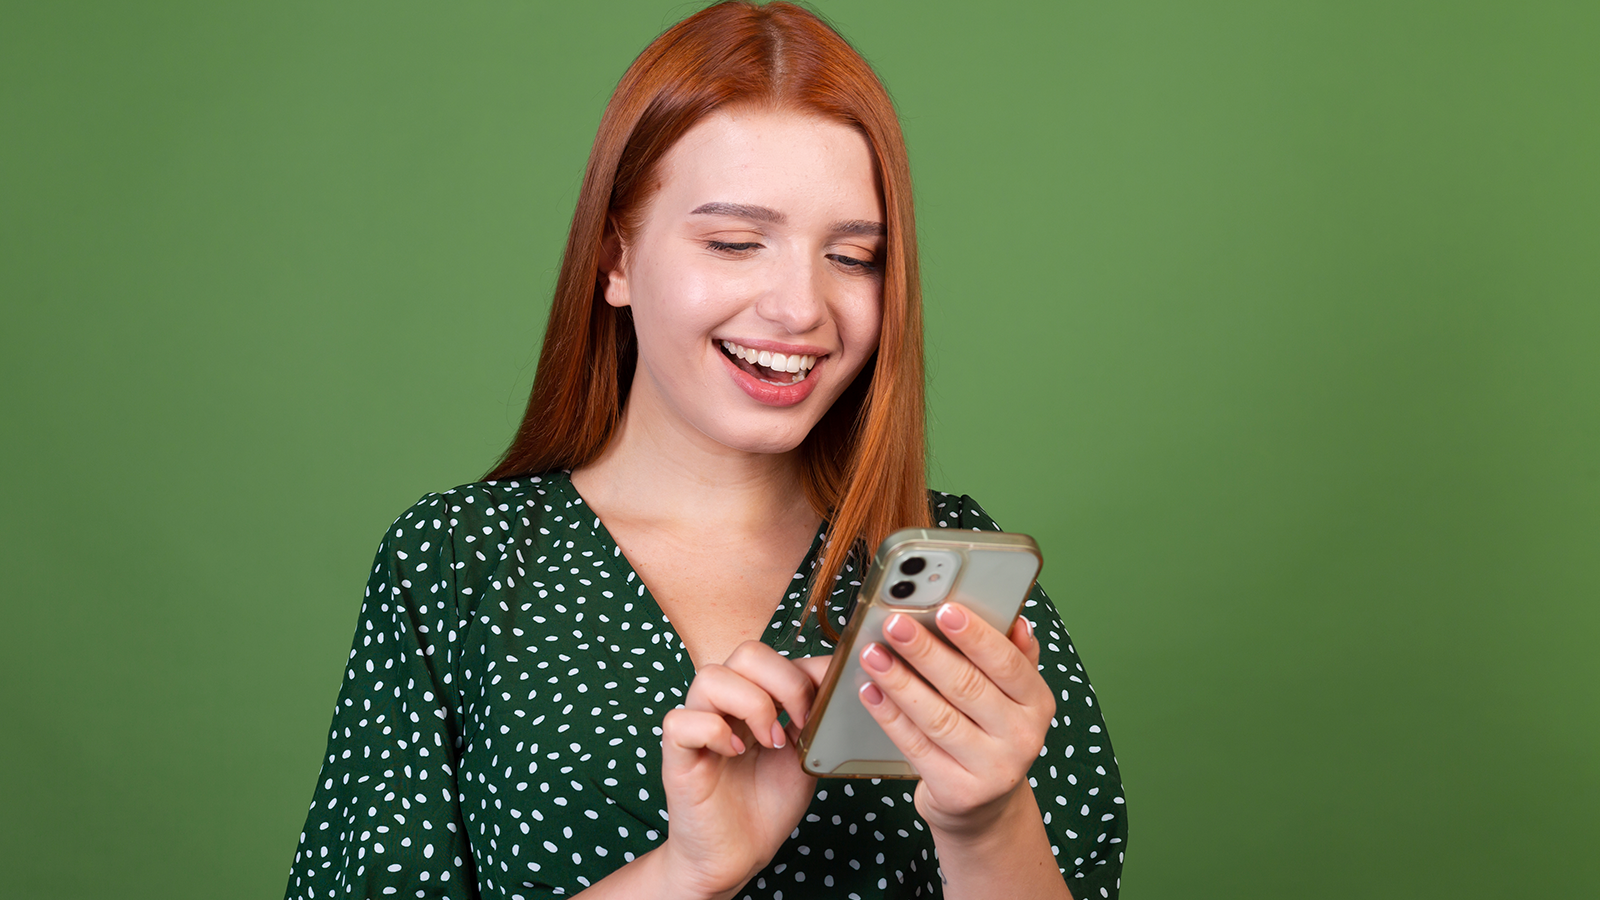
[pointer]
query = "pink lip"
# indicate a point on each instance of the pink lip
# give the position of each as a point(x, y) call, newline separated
point(771, 394)
point(775, 347)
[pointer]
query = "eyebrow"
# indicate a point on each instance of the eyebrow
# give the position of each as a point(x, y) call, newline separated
point(771, 216)
point(860, 227)
point(740, 211)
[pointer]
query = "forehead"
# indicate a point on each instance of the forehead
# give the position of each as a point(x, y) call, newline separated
point(787, 160)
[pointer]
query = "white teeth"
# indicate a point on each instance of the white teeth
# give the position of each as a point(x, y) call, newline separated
point(797, 365)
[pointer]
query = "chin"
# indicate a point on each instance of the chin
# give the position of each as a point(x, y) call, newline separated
point(767, 441)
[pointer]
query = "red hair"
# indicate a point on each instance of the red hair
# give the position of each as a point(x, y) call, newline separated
point(863, 464)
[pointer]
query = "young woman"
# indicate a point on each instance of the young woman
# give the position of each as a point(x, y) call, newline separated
point(573, 676)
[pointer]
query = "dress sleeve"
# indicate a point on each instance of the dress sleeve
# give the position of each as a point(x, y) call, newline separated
point(386, 818)
point(1075, 780)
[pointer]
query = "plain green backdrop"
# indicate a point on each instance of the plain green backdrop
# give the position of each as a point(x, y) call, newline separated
point(1276, 323)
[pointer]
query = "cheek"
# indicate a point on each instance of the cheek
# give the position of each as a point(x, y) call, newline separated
point(862, 322)
point(687, 297)
point(664, 305)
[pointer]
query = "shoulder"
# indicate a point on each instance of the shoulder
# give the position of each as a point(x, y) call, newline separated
point(467, 509)
point(959, 511)
point(543, 492)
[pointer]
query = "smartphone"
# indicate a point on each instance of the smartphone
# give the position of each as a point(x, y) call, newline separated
point(914, 571)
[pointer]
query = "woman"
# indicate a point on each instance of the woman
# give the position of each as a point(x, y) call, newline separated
point(611, 633)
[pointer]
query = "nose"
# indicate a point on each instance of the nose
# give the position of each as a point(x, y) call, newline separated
point(795, 300)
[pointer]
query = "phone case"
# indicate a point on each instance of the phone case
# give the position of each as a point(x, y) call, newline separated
point(988, 572)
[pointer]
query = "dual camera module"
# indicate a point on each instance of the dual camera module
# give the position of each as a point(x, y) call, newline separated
point(904, 589)
point(921, 577)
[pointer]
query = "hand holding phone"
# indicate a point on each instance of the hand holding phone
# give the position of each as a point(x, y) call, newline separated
point(914, 574)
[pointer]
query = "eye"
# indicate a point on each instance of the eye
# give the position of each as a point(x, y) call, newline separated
point(731, 247)
point(853, 264)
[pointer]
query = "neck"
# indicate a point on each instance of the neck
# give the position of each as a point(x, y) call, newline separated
point(653, 472)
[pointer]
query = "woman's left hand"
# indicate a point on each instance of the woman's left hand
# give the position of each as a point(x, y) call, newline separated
point(972, 723)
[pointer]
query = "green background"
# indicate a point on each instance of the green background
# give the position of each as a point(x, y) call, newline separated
point(1275, 322)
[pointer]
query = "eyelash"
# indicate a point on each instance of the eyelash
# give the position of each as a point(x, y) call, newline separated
point(848, 262)
point(726, 247)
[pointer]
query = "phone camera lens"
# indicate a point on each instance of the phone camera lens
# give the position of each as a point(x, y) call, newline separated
point(902, 589)
point(913, 565)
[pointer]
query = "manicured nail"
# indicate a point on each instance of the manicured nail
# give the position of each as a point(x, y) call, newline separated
point(1030, 628)
point(777, 735)
point(899, 628)
point(870, 694)
point(951, 618)
point(738, 745)
point(876, 658)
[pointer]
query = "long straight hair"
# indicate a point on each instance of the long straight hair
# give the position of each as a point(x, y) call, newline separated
point(863, 465)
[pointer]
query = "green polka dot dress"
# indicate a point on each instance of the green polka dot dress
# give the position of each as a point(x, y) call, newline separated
point(498, 732)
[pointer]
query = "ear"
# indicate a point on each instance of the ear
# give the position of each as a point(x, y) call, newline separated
point(613, 280)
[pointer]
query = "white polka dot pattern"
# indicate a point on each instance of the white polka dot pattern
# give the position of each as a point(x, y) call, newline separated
point(498, 730)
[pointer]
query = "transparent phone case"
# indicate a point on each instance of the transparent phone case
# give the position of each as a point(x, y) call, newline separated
point(988, 572)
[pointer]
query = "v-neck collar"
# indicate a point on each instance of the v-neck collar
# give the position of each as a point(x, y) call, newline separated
point(783, 631)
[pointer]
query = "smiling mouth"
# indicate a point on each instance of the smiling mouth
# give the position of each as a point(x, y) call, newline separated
point(773, 368)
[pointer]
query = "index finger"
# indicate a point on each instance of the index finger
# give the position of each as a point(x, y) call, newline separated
point(792, 686)
point(815, 667)
point(997, 655)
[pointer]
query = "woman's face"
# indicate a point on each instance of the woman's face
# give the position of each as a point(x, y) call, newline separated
point(754, 279)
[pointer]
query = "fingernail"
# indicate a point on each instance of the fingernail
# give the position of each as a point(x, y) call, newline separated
point(876, 658)
point(951, 618)
point(899, 628)
point(738, 745)
point(777, 735)
point(870, 694)
point(1030, 628)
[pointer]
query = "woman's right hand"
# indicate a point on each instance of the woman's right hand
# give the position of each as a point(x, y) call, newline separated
point(734, 787)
